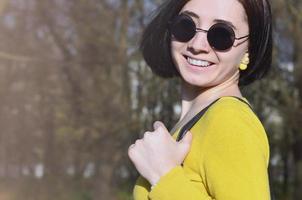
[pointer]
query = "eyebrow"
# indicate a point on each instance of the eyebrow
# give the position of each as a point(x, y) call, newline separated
point(190, 13)
point(194, 15)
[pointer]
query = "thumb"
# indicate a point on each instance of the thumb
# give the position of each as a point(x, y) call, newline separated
point(185, 142)
point(159, 124)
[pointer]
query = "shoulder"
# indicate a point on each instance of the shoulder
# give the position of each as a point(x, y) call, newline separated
point(227, 116)
point(229, 125)
point(230, 104)
point(229, 111)
point(231, 122)
point(234, 145)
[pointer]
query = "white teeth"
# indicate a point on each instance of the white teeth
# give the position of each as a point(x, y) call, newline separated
point(200, 63)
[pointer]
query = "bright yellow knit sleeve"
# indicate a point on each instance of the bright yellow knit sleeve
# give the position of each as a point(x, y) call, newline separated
point(173, 185)
point(236, 155)
point(228, 160)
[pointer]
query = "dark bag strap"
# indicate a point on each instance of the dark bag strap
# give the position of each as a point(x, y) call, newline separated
point(195, 119)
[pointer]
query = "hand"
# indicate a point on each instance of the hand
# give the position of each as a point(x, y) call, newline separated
point(157, 152)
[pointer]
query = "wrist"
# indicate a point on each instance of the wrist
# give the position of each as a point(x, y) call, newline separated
point(155, 178)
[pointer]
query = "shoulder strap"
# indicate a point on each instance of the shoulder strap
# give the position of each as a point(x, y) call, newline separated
point(193, 121)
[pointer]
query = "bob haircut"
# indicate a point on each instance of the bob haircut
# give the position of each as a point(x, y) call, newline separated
point(156, 40)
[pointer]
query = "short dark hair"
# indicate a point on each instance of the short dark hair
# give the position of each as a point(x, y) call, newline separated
point(156, 40)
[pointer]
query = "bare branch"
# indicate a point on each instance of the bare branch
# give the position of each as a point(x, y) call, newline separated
point(13, 57)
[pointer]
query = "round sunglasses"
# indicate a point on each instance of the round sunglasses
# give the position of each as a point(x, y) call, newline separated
point(220, 36)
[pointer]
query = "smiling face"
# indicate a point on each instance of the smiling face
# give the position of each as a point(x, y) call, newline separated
point(198, 63)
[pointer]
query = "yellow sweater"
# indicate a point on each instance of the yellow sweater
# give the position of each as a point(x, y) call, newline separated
point(228, 159)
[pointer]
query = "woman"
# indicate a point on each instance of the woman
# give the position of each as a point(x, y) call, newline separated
point(213, 46)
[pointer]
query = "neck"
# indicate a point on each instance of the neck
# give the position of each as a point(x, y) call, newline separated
point(194, 97)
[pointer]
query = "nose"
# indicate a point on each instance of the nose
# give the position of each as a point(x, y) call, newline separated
point(199, 43)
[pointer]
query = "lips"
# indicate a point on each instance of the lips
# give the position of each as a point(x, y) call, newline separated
point(198, 62)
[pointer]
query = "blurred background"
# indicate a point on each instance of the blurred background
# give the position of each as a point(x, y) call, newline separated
point(75, 93)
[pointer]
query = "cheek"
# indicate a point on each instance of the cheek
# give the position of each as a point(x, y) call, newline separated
point(176, 51)
point(231, 59)
point(175, 47)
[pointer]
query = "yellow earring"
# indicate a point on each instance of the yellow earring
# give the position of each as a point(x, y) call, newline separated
point(244, 62)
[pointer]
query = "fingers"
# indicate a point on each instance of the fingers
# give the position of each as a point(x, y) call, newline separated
point(138, 141)
point(131, 148)
point(187, 139)
point(159, 125)
point(147, 135)
point(133, 145)
point(184, 145)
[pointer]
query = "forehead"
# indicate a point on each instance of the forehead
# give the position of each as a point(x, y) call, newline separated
point(230, 10)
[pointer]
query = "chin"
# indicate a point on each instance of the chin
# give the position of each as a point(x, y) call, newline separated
point(197, 82)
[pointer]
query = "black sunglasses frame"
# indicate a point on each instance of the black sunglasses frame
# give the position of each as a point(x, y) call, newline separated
point(212, 39)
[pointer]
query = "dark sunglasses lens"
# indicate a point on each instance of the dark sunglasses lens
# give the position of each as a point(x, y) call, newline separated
point(221, 37)
point(183, 28)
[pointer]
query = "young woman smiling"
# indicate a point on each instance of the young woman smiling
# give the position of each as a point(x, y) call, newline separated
point(213, 46)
